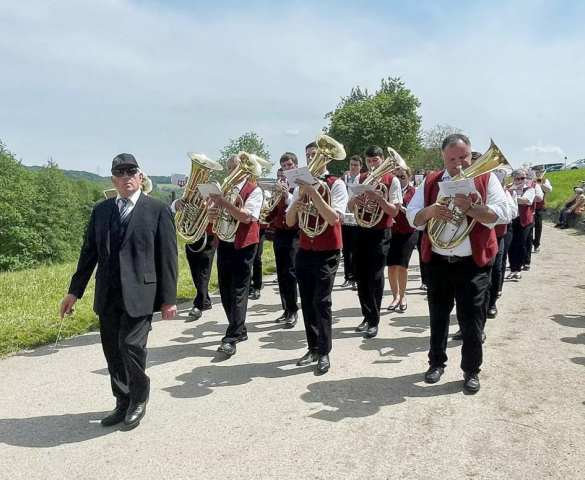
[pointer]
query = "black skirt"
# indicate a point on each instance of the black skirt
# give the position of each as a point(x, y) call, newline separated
point(401, 248)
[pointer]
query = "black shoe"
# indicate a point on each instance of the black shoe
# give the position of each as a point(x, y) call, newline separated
point(536, 249)
point(354, 286)
point(403, 308)
point(291, 320)
point(243, 338)
point(558, 225)
point(433, 374)
point(526, 268)
point(492, 312)
point(346, 284)
point(564, 226)
point(228, 348)
point(282, 318)
point(362, 327)
point(255, 295)
point(499, 294)
point(323, 363)
point(115, 416)
point(471, 383)
point(371, 332)
point(483, 337)
point(391, 308)
point(307, 359)
point(458, 335)
point(423, 287)
point(194, 314)
point(135, 413)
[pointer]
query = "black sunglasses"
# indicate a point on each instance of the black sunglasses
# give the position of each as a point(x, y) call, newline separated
point(402, 177)
point(520, 178)
point(119, 172)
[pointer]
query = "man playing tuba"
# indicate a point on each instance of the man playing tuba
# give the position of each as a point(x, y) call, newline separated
point(461, 271)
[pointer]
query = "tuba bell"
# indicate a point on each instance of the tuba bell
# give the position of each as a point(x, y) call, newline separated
point(310, 221)
point(225, 226)
point(191, 221)
point(490, 160)
point(370, 215)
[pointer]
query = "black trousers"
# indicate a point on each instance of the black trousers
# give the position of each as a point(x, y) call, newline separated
point(528, 248)
point(497, 273)
point(349, 235)
point(517, 252)
point(468, 284)
point(538, 215)
point(200, 264)
point(507, 242)
point(124, 344)
point(257, 263)
point(422, 265)
point(286, 246)
point(234, 268)
point(372, 248)
point(316, 274)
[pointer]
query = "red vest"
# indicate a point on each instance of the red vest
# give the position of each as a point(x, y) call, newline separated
point(386, 221)
point(401, 224)
point(501, 230)
point(330, 239)
point(526, 212)
point(278, 216)
point(247, 233)
point(484, 245)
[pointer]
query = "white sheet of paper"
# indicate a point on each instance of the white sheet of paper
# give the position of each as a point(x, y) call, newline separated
point(418, 178)
point(179, 179)
point(358, 189)
point(207, 189)
point(450, 188)
point(299, 174)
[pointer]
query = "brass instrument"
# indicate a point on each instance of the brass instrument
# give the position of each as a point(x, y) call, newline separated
point(372, 213)
point(191, 221)
point(273, 193)
point(225, 226)
point(310, 221)
point(265, 164)
point(490, 160)
point(578, 206)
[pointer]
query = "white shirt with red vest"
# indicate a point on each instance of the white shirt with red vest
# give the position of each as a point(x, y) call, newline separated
point(495, 200)
point(394, 191)
point(252, 205)
point(339, 197)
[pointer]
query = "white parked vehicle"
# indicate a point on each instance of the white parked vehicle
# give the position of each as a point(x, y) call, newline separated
point(575, 165)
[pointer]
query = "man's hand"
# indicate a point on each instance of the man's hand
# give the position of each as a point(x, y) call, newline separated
point(179, 205)
point(439, 211)
point(168, 311)
point(213, 213)
point(284, 187)
point(299, 206)
point(67, 304)
point(219, 200)
point(361, 200)
point(374, 196)
point(309, 189)
point(462, 202)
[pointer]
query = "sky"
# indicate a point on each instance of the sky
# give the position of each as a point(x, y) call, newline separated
point(81, 81)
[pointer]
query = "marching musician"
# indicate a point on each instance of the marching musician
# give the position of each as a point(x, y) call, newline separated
point(373, 244)
point(463, 272)
point(538, 199)
point(235, 256)
point(349, 230)
point(540, 207)
point(317, 261)
point(286, 246)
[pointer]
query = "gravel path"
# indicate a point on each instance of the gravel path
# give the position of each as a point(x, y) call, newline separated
point(257, 415)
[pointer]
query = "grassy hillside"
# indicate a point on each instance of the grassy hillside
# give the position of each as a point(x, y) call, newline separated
point(563, 183)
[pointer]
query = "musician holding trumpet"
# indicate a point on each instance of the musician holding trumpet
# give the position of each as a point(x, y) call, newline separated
point(459, 246)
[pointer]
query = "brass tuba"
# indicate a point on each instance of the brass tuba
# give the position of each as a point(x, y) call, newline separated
point(370, 215)
point(191, 221)
point(225, 226)
point(490, 160)
point(328, 149)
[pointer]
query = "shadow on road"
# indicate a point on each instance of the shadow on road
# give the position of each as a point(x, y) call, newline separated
point(72, 342)
point(363, 397)
point(568, 320)
point(53, 430)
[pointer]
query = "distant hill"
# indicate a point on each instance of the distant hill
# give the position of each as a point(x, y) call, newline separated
point(93, 177)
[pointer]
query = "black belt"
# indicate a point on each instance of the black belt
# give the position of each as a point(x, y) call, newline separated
point(451, 258)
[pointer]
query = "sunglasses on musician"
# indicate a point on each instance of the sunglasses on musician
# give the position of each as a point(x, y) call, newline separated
point(519, 178)
point(401, 177)
point(119, 172)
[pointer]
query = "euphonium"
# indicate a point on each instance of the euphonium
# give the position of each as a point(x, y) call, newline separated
point(272, 192)
point(225, 226)
point(310, 221)
point(490, 160)
point(191, 221)
point(370, 215)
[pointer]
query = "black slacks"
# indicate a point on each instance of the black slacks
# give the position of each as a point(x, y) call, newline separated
point(233, 273)
point(316, 274)
point(372, 248)
point(286, 246)
point(257, 263)
point(468, 284)
point(498, 271)
point(200, 264)
point(528, 247)
point(538, 215)
point(124, 344)
point(349, 235)
point(517, 252)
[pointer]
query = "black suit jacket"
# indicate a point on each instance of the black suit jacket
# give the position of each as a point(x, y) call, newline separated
point(148, 257)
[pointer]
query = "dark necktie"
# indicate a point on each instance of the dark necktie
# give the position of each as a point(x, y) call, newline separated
point(124, 207)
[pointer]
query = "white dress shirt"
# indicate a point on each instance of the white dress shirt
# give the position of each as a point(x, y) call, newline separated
point(495, 201)
point(252, 205)
point(339, 197)
point(132, 203)
point(512, 200)
point(394, 191)
point(546, 186)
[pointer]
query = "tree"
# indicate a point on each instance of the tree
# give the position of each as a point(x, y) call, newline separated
point(430, 156)
point(386, 118)
point(248, 142)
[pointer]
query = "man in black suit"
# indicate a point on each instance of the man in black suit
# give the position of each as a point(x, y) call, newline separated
point(131, 238)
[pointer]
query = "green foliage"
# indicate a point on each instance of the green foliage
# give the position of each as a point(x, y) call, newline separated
point(563, 183)
point(248, 142)
point(386, 118)
point(430, 156)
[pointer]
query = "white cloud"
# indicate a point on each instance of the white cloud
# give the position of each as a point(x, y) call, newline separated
point(292, 133)
point(543, 149)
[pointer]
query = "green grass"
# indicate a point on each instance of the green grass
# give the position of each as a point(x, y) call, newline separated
point(30, 301)
point(563, 183)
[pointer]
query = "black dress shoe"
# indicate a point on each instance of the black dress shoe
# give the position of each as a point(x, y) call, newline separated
point(291, 320)
point(323, 363)
point(433, 374)
point(194, 314)
point(492, 312)
point(228, 348)
point(307, 359)
point(536, 249)
point(362, 327)
point(255, 295)
point(526, 268)
point(135, 413)
point(346, 284)
point(371, 332)
point(499, 294)
point(471, 383)
point(391, 308)
point(403, 308)
point(115, 416)
point(354, 286)
point(242, 338)
point(282, 318)
point(458, 335)
point(483, 337)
